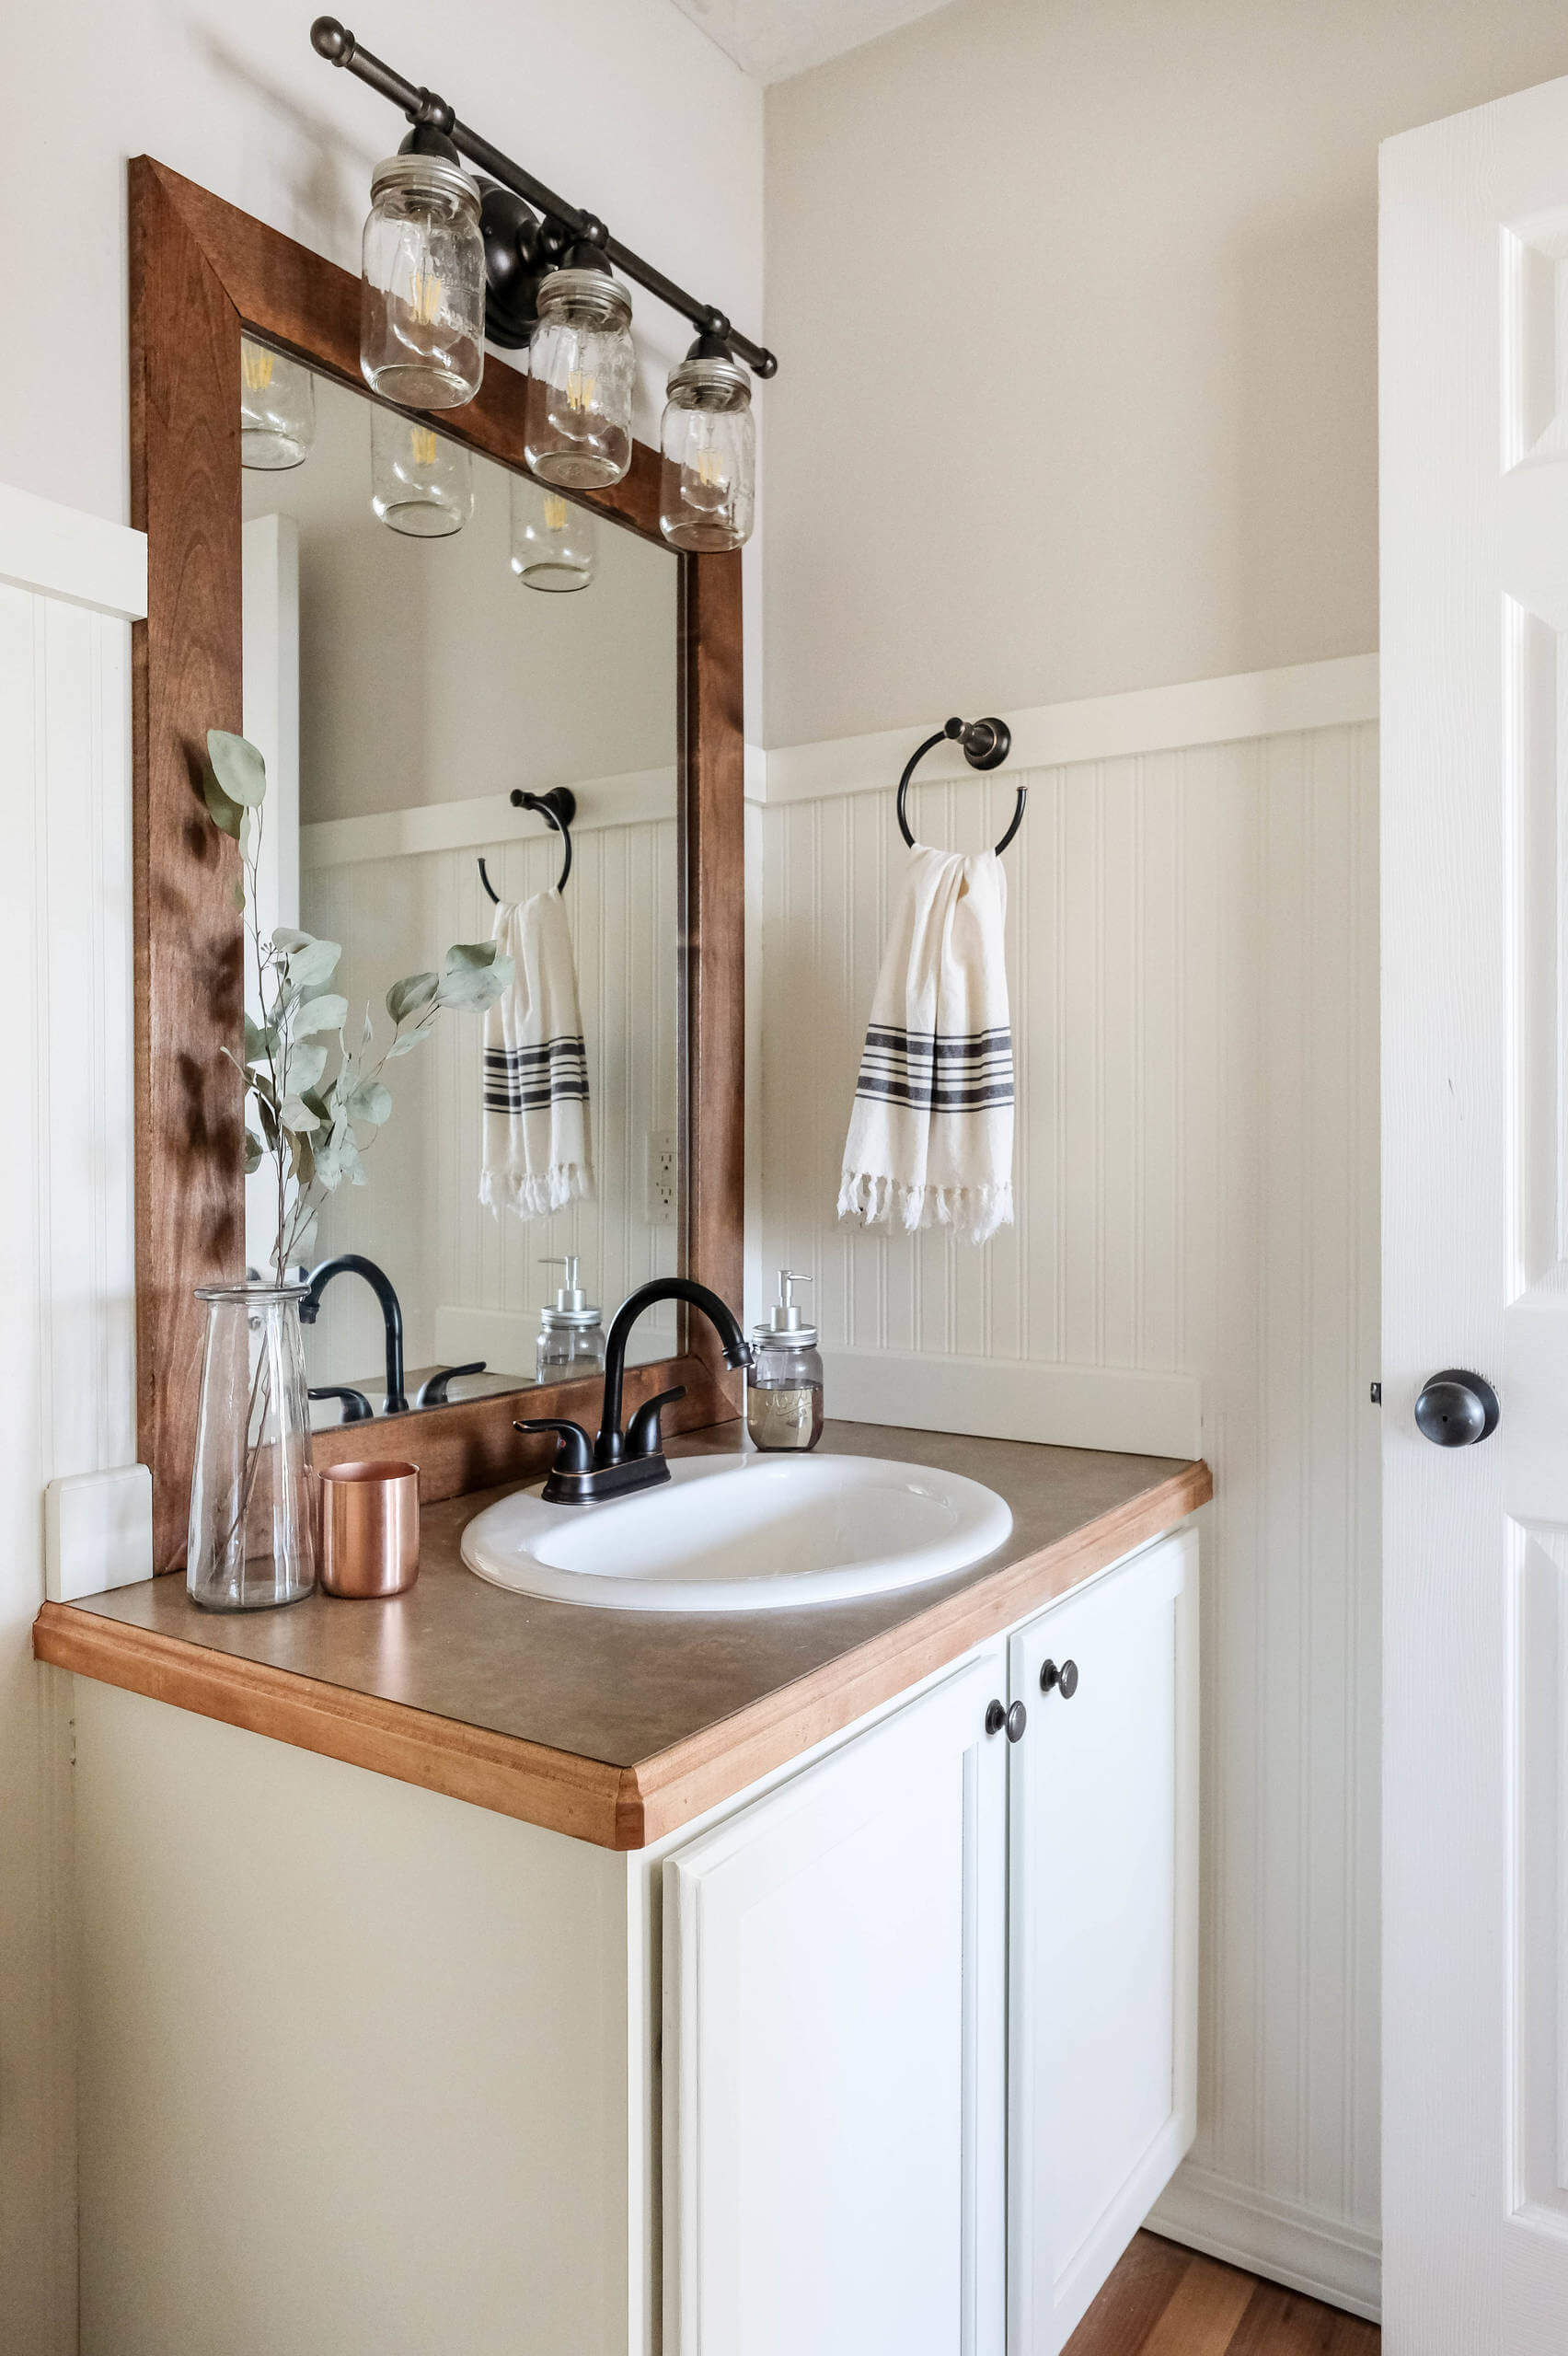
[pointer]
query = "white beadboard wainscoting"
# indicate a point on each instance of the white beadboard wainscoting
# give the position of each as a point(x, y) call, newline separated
point(72, 586)
point(1192, 938)
point(395, 889)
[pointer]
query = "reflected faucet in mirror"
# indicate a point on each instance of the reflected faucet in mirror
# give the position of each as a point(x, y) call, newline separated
point(614, 1463)
point(355, 1263)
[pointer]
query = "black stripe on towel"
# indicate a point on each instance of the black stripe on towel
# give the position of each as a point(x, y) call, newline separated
point(526, 1079)
point(935, 1072)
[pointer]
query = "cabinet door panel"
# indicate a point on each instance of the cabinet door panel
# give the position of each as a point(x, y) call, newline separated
point(1103, 1986)
point(834, 1961)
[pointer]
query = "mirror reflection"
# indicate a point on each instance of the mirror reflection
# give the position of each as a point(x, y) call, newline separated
point(464, 689)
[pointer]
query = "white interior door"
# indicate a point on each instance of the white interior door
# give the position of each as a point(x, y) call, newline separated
point(835, 2035)
point(1103, 1990)
point(1475, 1228)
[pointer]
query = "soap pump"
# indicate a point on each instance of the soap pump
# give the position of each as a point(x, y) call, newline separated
point(572, 1339)
point(784, 1380)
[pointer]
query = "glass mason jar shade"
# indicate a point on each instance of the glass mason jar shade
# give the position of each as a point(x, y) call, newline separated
point(708, 481)
point(252, 1536)
point(554, 545)
point(580, 367)
point(277, 410)
point(421, 483)
point(422, 284)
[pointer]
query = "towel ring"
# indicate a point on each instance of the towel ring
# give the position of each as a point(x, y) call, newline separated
point(986, 743)
point(558, 809)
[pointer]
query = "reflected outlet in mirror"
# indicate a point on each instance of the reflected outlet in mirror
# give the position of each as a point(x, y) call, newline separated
point(399, 690)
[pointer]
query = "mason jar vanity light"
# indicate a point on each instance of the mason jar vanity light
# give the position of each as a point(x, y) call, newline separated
point(422, 284)
point(449, 260)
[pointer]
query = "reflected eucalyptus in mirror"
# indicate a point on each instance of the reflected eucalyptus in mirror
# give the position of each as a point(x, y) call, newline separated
point(316, 1127)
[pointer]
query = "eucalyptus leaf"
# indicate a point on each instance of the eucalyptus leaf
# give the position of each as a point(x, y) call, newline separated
point(328, 1168)
point(285, 937)
point(258, 1042)
point(472, 986)
point(226, 814)
point(404, 1045)
point(255, 1152)
point(312, 964)
point(353, 1168)
point(238, 767)
point(319, 1104)
point(408, 996)
point(465, 953)
point(371, 1102)
point(327, 1013)
point(301, 1156)
point(297, 1116)
point(306, 1067)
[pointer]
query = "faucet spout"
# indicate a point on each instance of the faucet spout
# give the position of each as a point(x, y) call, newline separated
point(610, 1446)
point(355, 1263)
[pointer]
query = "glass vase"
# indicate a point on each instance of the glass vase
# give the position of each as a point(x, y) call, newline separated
point(252, 1539)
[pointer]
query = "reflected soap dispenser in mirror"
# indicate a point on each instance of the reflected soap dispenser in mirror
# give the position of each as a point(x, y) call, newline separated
point(784, 1380)
point(571, 1337)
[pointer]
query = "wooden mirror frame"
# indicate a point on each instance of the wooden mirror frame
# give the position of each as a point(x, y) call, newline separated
point(202, 273)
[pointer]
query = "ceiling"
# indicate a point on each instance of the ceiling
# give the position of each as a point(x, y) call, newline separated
point(770, 39)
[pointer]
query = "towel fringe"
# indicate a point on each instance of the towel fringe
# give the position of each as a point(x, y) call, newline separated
point(973, 1213)
point(534, 1194)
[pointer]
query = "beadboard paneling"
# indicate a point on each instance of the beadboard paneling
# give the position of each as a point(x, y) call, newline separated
point(66, 1306)
point(419, 1215)
point(1192, 951)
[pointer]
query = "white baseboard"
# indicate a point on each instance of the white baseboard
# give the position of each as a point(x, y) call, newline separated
point(1279, 2239)
point(1070, 1406)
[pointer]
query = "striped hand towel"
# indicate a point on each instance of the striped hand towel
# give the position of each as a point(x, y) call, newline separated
point(537, 1153)
point(931, 1132)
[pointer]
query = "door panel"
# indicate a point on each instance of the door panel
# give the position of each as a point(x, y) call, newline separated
point(834, 1964)
point(1474, 439)
point(1102, 1984)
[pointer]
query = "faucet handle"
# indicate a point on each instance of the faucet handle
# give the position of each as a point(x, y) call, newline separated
point(573, 1451)
point(643, 1435)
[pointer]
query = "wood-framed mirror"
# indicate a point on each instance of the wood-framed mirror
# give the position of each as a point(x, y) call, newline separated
point(205, 278)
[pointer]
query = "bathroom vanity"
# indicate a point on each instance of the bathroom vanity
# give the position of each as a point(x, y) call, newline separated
point(719, 1982)
point(477, 1971)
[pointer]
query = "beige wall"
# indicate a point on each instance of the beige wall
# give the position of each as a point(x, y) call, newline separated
point(1091, 402)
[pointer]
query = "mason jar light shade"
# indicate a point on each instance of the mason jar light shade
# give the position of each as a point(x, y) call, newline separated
point(708, 480)
point(422, 284)
point(277, 410)
point(577, 430)
point(554, 544)
point(421, 483)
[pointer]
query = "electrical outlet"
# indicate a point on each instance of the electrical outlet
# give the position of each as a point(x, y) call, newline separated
point(663, 1178)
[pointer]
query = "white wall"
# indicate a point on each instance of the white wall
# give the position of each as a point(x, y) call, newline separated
point(1090, 403)
point(627, 106)
point(1106, 422)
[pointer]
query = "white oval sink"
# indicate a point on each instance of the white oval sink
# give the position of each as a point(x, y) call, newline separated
point(743, 1533)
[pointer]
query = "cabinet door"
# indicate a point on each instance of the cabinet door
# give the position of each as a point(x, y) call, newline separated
point(835, 2050)
point(1102, 2021)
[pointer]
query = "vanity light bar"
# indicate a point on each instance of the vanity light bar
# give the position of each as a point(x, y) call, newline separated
point(424, 109)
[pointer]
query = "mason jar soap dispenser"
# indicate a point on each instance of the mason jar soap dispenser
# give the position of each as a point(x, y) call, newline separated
point(572, 1339)
point(784, 1380)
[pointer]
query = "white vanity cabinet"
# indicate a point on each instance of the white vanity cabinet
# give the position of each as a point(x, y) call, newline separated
point(855, 1965)
point(1102, 1966)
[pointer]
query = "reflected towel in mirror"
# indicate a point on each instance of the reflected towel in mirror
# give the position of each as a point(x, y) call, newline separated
point(538, 1147)
point(931, 1128)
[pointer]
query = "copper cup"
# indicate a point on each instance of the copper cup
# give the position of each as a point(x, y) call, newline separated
point(370, 1527)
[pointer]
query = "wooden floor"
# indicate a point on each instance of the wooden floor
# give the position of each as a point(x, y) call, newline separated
point(1165, 2301)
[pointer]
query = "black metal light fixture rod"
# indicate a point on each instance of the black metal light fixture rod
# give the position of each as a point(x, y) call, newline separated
point(337, 45)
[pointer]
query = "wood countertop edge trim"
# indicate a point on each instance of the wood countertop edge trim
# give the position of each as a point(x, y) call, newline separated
point(554, 1789)
point(612, 1808)
point(683, 1781)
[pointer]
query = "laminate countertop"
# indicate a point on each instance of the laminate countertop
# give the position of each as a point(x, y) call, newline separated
point(615, 1727)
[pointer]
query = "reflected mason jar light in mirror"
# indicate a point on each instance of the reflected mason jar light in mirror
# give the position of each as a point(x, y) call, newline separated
point(708, 480)
point(553, 542)
point(422, 284)
point(277, 410)
point(581, 369)
point(421, 483)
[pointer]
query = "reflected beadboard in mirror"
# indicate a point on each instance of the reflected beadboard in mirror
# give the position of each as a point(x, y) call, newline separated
point(201, 273)
point(401, 688)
